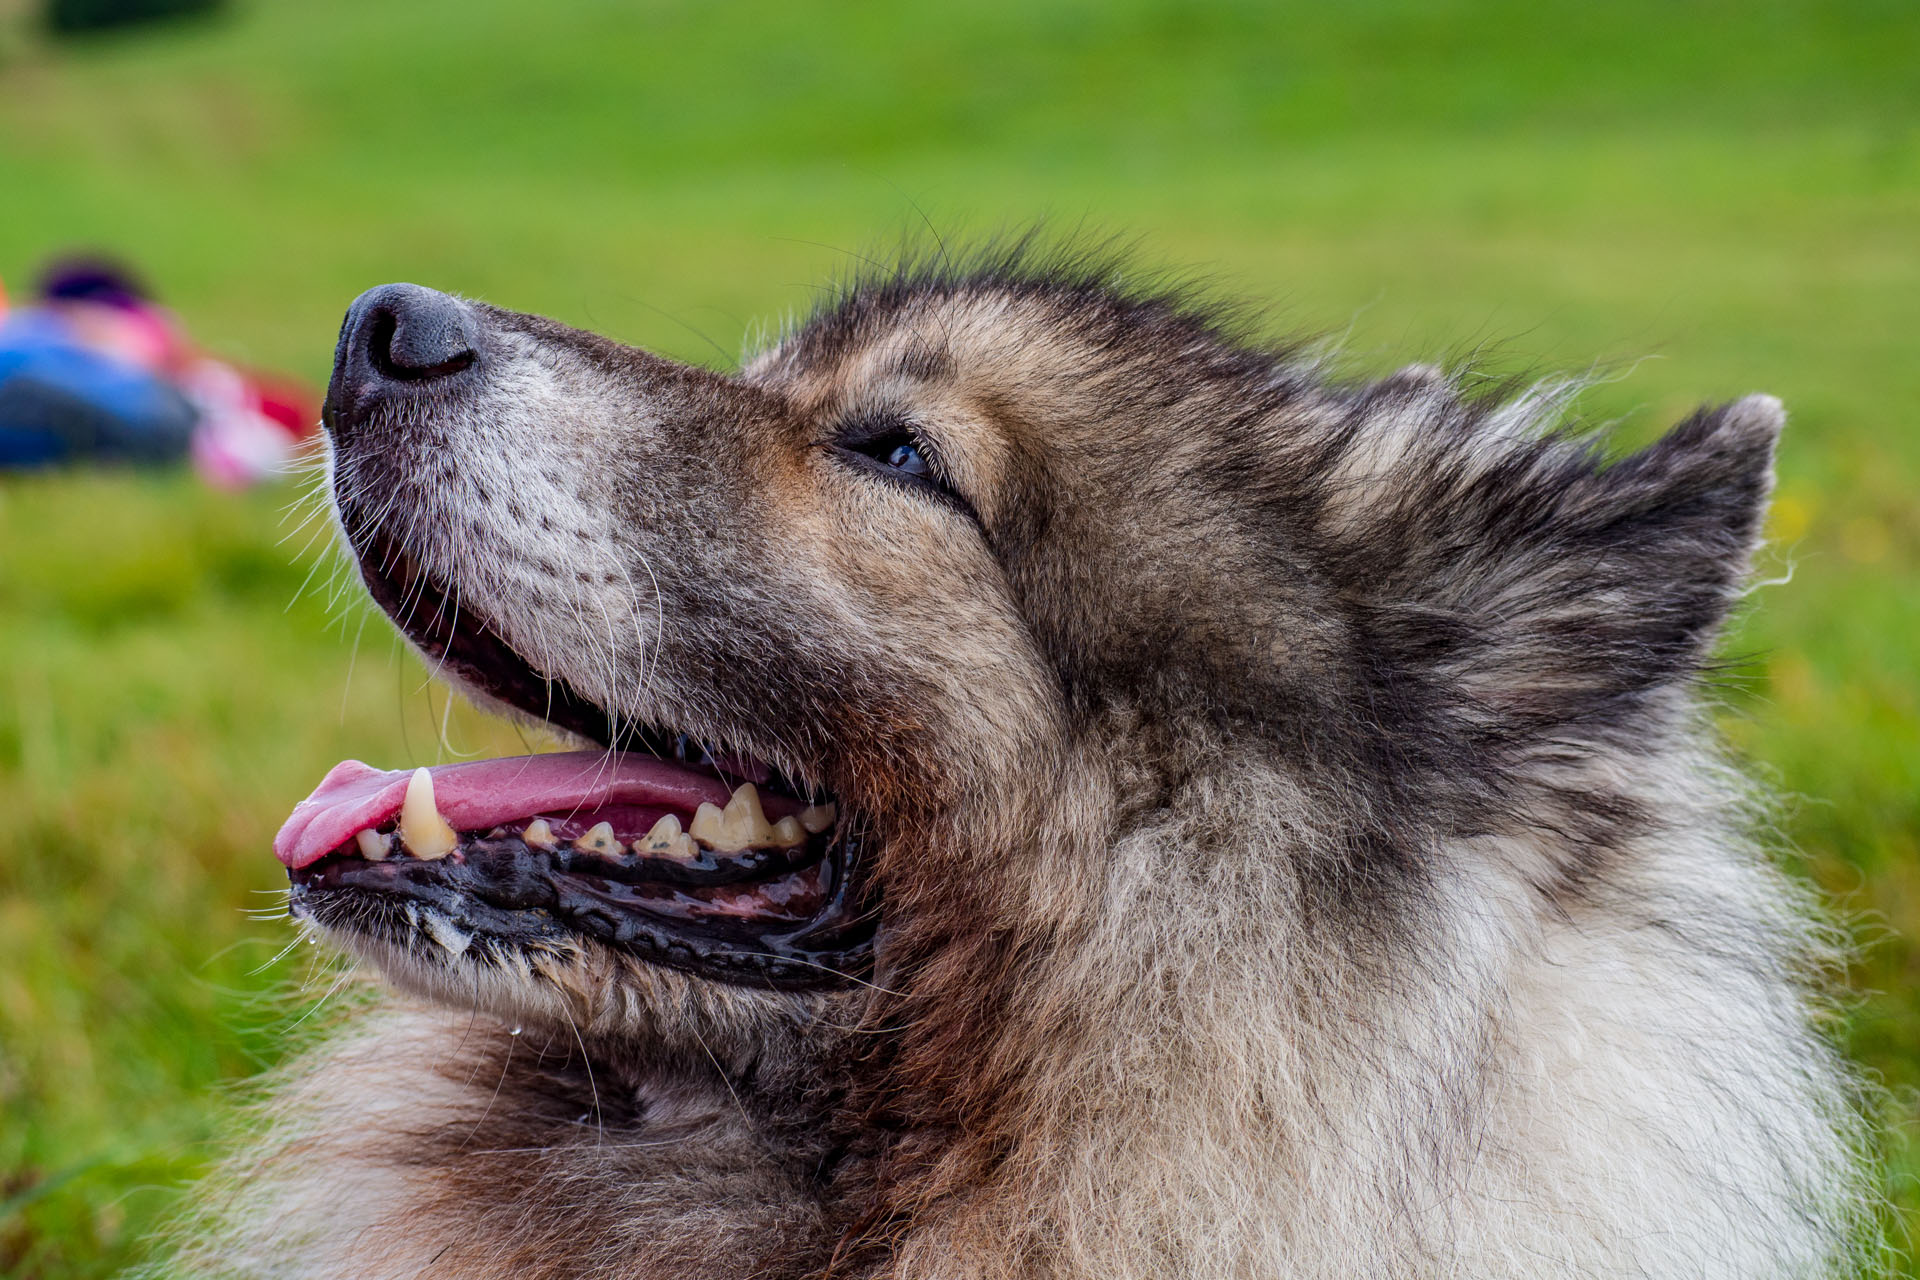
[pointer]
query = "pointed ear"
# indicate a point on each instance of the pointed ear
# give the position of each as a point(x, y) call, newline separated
point(1555, 591)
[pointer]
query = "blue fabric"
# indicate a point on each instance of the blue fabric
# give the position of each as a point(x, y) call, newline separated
point(63, 401)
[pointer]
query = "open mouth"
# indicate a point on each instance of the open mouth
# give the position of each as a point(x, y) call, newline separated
point(676, 851)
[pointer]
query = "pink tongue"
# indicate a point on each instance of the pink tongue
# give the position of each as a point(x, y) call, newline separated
point(486, 793)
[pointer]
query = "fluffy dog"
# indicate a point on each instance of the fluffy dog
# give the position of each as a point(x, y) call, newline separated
point(1073, 793)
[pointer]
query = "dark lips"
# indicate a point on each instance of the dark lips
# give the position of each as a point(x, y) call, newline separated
point(499, 892)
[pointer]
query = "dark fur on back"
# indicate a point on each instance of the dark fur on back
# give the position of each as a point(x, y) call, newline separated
point(1302, 845)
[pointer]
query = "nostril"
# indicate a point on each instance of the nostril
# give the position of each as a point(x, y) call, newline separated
point(400, 341)
point(409, 346)
point(380, 327)
point(413, 334)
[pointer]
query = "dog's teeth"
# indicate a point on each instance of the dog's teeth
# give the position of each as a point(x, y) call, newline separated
point(741, 825)
point(818, 817)
point(539, 835)
point(422, 830)
point(659, 840)
point(745, 799)
point(709, 826)
point(787, 833)
point(599, 839)
point(374, 847)
point(746, 821)
point(667, 840)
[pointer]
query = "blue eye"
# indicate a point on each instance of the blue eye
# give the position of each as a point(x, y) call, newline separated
point(906, 458)
point(889, 445)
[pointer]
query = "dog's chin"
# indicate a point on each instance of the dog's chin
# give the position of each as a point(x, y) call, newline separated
point(580, 988)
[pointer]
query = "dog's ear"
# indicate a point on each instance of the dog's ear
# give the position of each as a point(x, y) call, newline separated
point(1554, 589)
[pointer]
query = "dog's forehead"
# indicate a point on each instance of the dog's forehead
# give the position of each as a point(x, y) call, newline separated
point(904, 344)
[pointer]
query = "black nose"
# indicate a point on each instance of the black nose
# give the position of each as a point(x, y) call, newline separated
point(395, 339)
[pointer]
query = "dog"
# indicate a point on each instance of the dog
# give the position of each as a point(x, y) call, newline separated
point(1067, 789)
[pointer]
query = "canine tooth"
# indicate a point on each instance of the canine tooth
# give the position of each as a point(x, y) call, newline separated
point(599, 839)
point(662, 837)
point(422, 829)
point(787, 833)
point(709, 826)
point(374, 847)
point(818, 818)
point(539, 834)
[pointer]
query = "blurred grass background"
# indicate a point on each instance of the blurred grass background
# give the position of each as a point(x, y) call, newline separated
point(1706, 198)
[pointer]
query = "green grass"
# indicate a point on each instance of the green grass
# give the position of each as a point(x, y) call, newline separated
point(1703, 198)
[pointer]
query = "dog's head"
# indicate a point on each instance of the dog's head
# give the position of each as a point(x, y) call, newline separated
point(899, 628)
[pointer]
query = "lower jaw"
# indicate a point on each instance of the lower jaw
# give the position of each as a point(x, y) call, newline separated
point(499, 897)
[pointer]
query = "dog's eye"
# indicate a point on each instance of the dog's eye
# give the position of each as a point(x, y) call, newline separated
point(890, 443)
point(907, 458)
point(891, 447)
